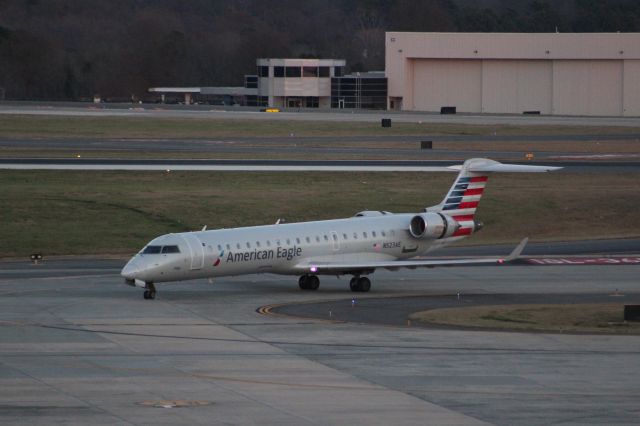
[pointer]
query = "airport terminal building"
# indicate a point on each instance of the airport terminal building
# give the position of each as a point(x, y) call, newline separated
point(297, 83)
point(292, 83)
point(318, 83)
point(592, 74)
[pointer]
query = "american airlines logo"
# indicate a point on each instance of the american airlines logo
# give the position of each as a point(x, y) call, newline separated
point(217, 262)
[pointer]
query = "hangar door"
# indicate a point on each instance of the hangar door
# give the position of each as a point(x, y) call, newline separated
point(516, 86)
point(447, 82)
point(587, 87)
point(631, 84)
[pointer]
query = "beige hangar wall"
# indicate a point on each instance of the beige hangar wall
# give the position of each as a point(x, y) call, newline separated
point(631, 85)
point(447, 82)
point(491, 86)
point(565, 74)
point(587, 87)
point(516, 85)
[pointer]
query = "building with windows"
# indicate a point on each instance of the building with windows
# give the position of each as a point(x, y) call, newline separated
point(297, 83)
point(207, 95)
point(558, 73)
point(359, 91)
point(291, 83)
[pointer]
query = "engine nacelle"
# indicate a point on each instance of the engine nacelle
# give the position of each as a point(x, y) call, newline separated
point(433, 226)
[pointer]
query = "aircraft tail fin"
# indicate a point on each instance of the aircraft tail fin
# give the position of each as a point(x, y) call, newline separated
point(464, 196)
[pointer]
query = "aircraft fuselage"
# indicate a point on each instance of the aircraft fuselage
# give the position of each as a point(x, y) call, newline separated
point(279, 248)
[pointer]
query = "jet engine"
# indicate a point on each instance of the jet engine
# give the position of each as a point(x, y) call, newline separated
point(432, 225)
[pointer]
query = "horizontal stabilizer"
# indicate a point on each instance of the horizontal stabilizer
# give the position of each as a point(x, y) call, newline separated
point(484, 165)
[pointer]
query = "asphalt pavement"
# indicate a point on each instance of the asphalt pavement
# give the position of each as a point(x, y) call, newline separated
point(83, 348)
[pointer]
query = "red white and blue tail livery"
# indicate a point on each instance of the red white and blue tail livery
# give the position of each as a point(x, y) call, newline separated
point(463, 198)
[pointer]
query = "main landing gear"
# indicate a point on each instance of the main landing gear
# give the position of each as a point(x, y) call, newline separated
point(357, 283)
point(150, 292)
point(309, 282)
point(360, 284)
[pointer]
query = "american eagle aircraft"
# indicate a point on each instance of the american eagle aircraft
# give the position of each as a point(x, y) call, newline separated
point(355, 246)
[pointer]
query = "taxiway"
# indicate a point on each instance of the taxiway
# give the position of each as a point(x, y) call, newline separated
point(77, 346)
point(286, 165)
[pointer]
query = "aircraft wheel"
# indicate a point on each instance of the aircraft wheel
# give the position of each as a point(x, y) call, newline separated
point(150, 292)
point(313, 282)
point(302, 282)
point(365, 284)
point(354, 284)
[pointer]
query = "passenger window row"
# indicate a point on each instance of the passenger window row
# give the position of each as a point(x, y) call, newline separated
point(258, 244)
point(318, 239)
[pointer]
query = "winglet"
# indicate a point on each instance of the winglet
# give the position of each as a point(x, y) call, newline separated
point(517, 251)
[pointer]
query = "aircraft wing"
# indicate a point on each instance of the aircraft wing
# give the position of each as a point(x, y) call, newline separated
point(338, 267)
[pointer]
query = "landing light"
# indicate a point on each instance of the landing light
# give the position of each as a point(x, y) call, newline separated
point(314, 269)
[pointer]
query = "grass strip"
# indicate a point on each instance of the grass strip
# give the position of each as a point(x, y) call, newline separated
point(590, 318)
point(50, 126)
point(95, 212)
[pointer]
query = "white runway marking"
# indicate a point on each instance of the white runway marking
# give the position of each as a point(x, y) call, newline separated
point(227, 167)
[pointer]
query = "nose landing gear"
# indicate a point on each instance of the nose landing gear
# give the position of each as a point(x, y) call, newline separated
point(150, 292)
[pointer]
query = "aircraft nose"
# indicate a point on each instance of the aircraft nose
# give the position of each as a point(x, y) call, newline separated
point(131, 269)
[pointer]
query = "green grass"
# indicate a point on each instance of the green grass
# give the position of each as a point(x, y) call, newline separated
point(592, 318)
point(91, 212)
point(213, 125)
point(494, 316)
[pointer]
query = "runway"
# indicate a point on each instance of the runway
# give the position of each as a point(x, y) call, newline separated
point(606, 148)
point(288, 165)
point(389, 147)
point(77, 346)
point(344, 144)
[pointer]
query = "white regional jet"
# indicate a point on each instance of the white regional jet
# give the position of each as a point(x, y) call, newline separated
point(354, 246)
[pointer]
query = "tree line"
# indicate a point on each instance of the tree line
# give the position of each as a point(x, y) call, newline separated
point(73, 49)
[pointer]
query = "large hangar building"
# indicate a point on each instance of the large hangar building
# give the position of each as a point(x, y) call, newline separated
point(552, 73)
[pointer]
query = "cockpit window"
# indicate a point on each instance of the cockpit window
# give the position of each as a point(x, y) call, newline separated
point(152, 250)
point(161, 249)
point(170, 249)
